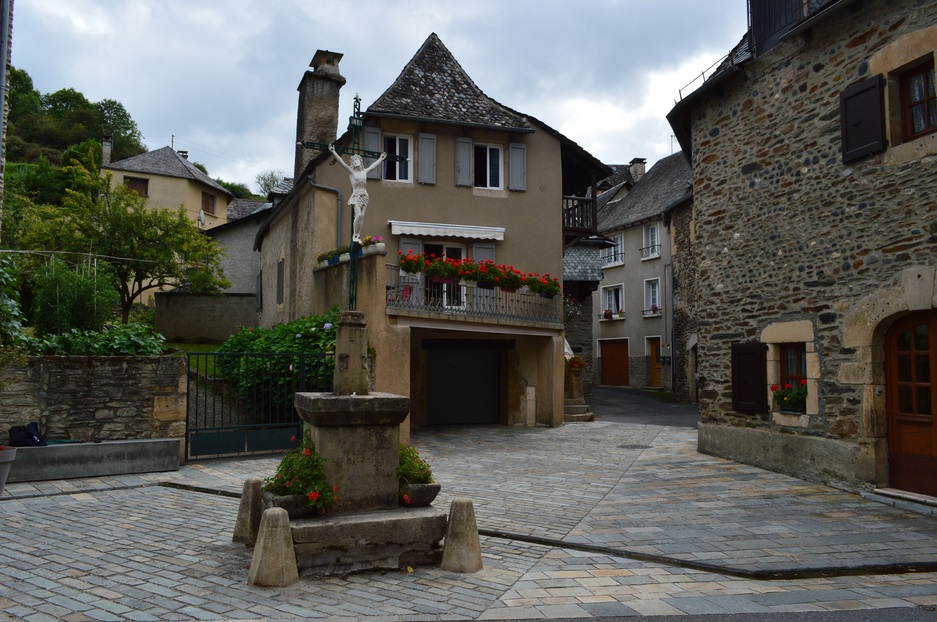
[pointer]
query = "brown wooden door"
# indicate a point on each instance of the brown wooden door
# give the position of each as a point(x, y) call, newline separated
point(911, 382)
point(615, 362)
point(653, 346)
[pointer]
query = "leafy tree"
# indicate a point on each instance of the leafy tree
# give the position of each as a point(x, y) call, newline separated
point(241, 191)
point(147, 248)
point(266, 180)
point(67, 297)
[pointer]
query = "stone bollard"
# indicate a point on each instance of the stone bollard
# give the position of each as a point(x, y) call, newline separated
point(462, 550)
point(274, 561)
point(248, 521)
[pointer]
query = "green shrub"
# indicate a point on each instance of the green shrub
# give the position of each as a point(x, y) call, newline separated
point(65, 297)
point(412, 469)
point(113, 340)
point(302, 472)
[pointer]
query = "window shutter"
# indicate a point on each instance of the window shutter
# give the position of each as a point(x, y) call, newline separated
point(483, 252)
point(280, 282)
point(517, 153)
point(372, 142)
point(427, 155)
point(749, 378)
point(862, 119)
point(260, 290)
point(463, 161)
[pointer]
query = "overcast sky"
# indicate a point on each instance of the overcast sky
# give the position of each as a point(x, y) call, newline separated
point(219, 77)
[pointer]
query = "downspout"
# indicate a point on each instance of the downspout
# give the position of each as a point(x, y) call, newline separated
point(338, 207)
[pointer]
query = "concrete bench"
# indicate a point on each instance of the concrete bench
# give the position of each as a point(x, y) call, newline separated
point(74, 460)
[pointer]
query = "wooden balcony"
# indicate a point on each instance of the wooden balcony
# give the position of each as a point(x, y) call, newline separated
point(579, 218)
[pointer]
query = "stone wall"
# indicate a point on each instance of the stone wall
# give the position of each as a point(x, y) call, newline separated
point(579, 336)
point(685, 300)
point(96, 397)
point(197, 318)
point(787, 233)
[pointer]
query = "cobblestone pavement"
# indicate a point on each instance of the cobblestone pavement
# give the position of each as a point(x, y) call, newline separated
point(587, 520)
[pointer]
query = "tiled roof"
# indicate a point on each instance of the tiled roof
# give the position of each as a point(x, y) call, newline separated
point(434, 86)
point(669, 180)
point(168, 163)
point(242, 208)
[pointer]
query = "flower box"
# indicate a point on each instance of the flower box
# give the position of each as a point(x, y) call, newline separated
point(419, 495)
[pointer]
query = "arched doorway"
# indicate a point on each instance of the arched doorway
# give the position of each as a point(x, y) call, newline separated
point(911, 394)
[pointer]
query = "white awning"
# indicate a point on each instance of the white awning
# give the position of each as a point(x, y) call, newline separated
point(440, 230)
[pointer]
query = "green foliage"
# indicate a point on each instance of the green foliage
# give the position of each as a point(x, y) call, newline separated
point(66, 297)
point(113, 340)
point(11, 318)
point(142, 314)
point(240, 191)
point(267, 383)
point(572, 311)
point(412, 469)
point(302, 472)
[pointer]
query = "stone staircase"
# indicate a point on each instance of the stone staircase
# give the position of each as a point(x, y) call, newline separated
point(576, 410)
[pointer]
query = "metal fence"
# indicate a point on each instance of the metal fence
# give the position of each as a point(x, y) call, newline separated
point(417, 292)
point(242, 403)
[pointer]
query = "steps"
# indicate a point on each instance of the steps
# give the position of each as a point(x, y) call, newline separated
point(576, 410)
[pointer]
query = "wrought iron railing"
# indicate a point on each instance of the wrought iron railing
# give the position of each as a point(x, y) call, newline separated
point(418, 293)
point(650, 251)
point(243, 402)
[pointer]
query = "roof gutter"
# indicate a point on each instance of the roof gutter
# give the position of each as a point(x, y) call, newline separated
point(482, 126)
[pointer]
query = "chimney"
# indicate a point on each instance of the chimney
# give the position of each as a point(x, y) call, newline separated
point(184, 154)
point(107, 146)
point(637, 168)
point(317, 117)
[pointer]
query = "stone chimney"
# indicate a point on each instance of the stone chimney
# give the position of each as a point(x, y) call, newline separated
point(637, 168)
point(317, 117)
point(107, 147)
point(184, 154)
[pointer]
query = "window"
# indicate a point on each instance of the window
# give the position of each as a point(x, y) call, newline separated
point(280, 282)
point(138, 184)
point(651, 242)
point(652, 297)
point(613, 300)
point(918, 101)
point(260, 290)
point(793, 364)
point(614, 255)
point(486, 166)
point(208, 203)
point(397, 145)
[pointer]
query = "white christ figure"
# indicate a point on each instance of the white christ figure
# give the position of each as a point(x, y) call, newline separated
point(358, 175)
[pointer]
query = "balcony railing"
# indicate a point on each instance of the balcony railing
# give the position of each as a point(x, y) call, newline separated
point(416, 293)
point(579, 215)
point(649, 252)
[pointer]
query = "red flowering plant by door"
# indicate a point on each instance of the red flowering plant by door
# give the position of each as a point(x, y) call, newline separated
point(790, 396)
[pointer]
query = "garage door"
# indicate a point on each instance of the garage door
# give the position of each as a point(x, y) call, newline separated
point(615, 362)
point(463, 386)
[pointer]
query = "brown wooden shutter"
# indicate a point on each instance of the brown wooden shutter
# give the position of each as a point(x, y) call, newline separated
point(749, 377)
point(862, 118)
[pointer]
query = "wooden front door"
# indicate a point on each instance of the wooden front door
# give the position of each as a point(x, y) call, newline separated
point(615, 362)
point(653, 353)
point(911, 382)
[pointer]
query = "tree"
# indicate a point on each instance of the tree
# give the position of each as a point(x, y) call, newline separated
point(67, 297)
point(147, 248)
point(266, 180)
point(240, 191)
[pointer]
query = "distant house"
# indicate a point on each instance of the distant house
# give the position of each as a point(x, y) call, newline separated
point(633, 312)
point(479, 181)
point(813, 152)
point(168, 180)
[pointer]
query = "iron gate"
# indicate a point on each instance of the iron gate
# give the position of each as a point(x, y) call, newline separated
point(242, 403)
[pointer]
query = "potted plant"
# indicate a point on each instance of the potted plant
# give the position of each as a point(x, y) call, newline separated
point(416, 487)
point(545, 285)
point(489, 274)
point(576, 362)
point(442, 269)
point(789, 397)
point(607, 314)
point(511, 279)
point(299, 484)
point(7, 455)
point(411, 263)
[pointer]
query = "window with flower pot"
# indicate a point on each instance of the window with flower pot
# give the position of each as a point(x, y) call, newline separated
point(613, 301)
point(652, 303)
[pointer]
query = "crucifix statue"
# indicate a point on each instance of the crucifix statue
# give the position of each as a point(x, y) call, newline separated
point(358, 176)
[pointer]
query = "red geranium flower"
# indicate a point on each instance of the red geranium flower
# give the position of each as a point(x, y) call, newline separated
point(313, 496)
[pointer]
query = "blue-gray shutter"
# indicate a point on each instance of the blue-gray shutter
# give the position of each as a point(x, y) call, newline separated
point(517, 161)
point(862, 118)
point(426, 174)
point(463, 161)
point(372, 142)
point(749, 378)
point(483, 251)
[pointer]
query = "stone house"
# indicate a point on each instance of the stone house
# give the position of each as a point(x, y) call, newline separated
point(813, 157)
point(633, 313)
point(478, 180)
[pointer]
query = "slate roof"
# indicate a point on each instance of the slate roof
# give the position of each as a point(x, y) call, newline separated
point(167, 162)
point(242, 208)
point(667, 182)
point(433, 86)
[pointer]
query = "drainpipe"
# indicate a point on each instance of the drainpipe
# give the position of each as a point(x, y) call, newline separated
point(338, 207)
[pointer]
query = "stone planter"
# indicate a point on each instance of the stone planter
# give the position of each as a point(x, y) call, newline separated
point(6, 461)
point(295, 505)
point(421, 495)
